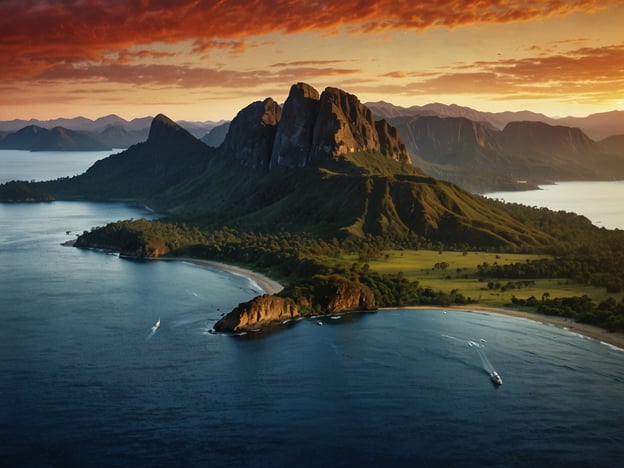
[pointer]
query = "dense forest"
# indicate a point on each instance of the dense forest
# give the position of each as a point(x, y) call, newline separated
point(298, 259)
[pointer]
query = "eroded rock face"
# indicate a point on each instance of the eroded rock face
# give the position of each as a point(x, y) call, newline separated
point(311, 128)
point(344, 125)
point(293, 139)
point(252, 133)
point(336, 294)
point(390, 143)
point(259, 312)
point(333, 294)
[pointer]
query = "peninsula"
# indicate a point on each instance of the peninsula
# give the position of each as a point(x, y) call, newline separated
point(313, 193)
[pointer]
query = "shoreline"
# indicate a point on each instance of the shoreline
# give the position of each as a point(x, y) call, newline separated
point(270, 286)
point(590, 331)
point(265, 283)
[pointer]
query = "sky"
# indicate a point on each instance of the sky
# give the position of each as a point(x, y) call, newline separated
point(206, 60)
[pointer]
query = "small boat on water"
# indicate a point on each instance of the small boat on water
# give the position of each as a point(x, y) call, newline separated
point(482, 340)
point(495, 378)
point(157, 324)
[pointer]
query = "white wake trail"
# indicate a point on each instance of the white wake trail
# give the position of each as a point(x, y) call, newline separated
point(151, 333)
point(480, 349)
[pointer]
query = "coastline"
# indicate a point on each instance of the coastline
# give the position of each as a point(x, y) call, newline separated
point(270, 286)
point(265, 283)
point(596, 333)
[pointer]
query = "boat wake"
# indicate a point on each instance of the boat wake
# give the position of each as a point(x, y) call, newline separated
point(485, 362)
point(152, 332)
point(487, 365)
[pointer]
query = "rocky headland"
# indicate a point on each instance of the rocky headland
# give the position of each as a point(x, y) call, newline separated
point(323, 295)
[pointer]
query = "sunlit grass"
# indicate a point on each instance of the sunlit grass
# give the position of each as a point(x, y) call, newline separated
point(461, 274)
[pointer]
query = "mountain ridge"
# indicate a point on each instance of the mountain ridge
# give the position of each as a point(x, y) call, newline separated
point(345, 183)
point(597, 126)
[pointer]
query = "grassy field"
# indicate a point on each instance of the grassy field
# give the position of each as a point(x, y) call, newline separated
point(461, 274)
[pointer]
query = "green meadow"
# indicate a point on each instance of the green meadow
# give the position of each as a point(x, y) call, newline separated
point(448, 271)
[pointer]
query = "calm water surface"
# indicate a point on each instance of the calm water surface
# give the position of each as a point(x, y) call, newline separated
point(46, 165)
point(601, 202)
point(85, 382)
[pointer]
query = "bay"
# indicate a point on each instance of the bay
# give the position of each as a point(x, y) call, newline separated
point(86, 381)
point(46, 165)
point(601, 202)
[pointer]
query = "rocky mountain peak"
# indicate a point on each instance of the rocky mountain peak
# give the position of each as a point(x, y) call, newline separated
point(310, 128)
point(164, 131)
point(344, 125)
point(293, 139)
point(252, 133)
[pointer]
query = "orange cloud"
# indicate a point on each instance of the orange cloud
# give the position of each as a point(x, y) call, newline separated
point(38, 35)
point(185, 76)
point(585, 74)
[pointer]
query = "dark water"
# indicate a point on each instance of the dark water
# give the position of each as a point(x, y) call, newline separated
point(81, 384)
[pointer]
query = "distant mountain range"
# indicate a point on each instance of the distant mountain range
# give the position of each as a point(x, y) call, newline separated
point(480, 151)
point(320, 165)
point(82, 134)
point(596, 126)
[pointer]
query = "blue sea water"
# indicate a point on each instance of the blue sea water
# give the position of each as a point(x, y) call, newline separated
point(600, 202)
point(84, 380)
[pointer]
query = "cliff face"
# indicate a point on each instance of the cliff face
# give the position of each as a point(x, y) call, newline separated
point(540, 138)
point(441, 140)
point(332, 295)
point(336, 294)
point(311, 128)
point(344, 125)
point(295, 131)
point(252, 132)
point(260, 311)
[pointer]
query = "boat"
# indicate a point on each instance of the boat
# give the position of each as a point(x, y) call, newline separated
point(482, 340)
point(157, 324)
point(495, 378)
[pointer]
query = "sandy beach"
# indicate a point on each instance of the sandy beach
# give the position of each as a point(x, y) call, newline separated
point(599, 334)
point(265, 283)
point(270, 286)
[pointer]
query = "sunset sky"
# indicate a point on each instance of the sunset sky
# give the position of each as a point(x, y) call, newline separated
point(205, 60)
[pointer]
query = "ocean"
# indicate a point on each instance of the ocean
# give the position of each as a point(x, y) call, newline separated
point(87, 381)
point(600, 202)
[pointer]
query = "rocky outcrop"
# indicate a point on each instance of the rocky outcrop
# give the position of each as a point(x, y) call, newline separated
point(260, 311)
point(252, 133)
point(335, 293)
point(344, 125)
point(295, 131)
point(323, 294)
point(311, 128)
point(390, 142)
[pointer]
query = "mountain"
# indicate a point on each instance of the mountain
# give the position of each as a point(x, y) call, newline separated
point(480, 157)
point(168, 157)
point(111, 131)
point(497, 120)
point(613, 145)
point(116, 136)
point(216, 135)
point(596, 126)
point(349, 176)
point(34, 138)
